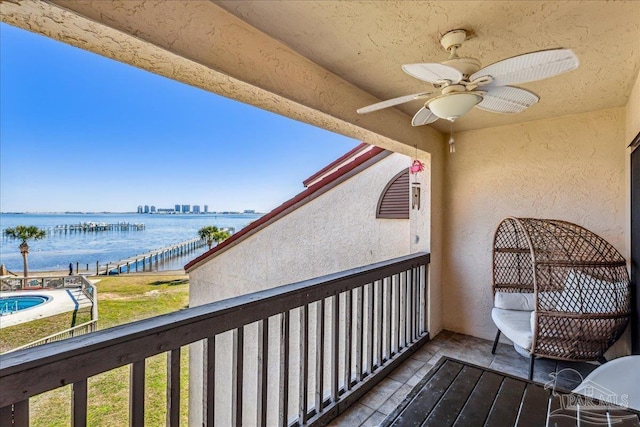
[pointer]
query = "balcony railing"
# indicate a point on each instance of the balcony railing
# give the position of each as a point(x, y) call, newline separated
point(57, 282)
point(367, 321)
point(8, 283)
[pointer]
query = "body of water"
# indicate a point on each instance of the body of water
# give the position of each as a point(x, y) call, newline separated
point(57, 250)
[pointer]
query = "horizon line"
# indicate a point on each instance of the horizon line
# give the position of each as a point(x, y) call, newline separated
point(130, 212)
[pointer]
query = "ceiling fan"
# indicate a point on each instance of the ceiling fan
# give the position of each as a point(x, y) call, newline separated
point(463, 84)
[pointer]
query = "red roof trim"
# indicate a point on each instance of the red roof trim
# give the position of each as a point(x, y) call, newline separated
point(335, 163)
point(262, 221)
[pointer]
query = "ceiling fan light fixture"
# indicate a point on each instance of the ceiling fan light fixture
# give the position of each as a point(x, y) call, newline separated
point(464, 85)
point(453, 105)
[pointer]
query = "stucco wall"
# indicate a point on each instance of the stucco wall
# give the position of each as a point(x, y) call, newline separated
point(632, 128)
point(569, 168)
point(336, 231)
point(632, 125)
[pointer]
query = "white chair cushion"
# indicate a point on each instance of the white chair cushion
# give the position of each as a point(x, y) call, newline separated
point(515, 325)
point(514, 301)
point(586, 294)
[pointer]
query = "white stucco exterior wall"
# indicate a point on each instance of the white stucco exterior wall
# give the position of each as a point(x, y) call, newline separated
point(569, 168)
point(336, 231)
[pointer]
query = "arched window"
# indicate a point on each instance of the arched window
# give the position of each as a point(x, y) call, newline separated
point(394, 200)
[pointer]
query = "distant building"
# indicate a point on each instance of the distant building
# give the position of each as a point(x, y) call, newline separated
point(206, 208)
point(177, 208)
point(146, 208)
point(153, 209)
point(186, 208)
point(196, 209)
point(249, 211)
point(166, 210)
point(139, 208)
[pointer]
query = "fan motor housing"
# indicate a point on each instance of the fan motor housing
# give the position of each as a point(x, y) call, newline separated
point(453, 38)
point(466, 66)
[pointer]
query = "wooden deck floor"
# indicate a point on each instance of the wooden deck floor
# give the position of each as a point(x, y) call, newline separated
point(382, 400)
point(459, 394)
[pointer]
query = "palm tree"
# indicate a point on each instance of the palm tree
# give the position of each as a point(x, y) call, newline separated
point(213, 234)
point(25, 233)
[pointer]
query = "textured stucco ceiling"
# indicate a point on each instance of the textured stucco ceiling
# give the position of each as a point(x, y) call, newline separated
point(366, 43)
point(319, 61)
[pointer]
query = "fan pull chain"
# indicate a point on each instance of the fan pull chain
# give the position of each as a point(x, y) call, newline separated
point(452, 147)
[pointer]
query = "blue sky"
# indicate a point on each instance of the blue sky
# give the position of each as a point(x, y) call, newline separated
point(80, 132)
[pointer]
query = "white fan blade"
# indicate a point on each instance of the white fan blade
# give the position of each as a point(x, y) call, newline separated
point(391, 102)
point(506, 99)
point(529, 67)
point(433, 72)
point(424, 116)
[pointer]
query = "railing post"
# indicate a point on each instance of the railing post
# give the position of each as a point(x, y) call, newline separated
point(79, 403)
point(304, 363)
point(418, 284)
point(136, 396)
point(319, 395)
point(21, 414)
point(379, 313)
point(209, 390)
point(173, 388)
point(407, 308)
point(395, 282)
point(6, 415)
point(348, 308)
point(425, 305)
point(283, 412)
point(335, 346)
point(402, 311)
point(359, 332)
point(389, 302)
point(94, 305)
point(410, 304)
point(370, 326)
point(263, 367)
point(237, 376)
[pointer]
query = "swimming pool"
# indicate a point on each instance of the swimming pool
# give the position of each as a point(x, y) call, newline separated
point(12, 304)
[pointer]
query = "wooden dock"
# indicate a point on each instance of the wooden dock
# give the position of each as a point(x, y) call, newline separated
point(146, 261)
point(91, 227)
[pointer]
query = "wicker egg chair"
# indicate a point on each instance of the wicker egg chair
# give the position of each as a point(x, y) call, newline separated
point(559, 288)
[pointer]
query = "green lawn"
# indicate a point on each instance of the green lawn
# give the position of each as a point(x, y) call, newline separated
point(123, 299)
point(15, 336)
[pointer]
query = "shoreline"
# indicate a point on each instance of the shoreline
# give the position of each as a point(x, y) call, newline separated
point(133, 273)
point(85, 250)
